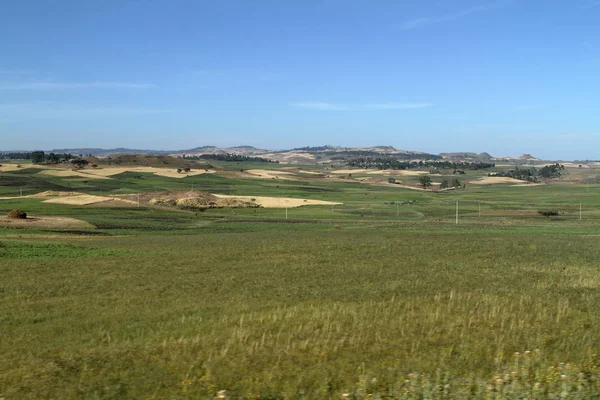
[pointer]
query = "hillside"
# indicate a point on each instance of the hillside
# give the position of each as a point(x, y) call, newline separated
point(299, 155)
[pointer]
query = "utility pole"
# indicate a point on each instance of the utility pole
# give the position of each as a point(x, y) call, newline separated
point(456, 212)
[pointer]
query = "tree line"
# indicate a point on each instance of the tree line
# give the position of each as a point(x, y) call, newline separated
point(15, 156)
point(533, 174)
point(38, 157)
point(394, 163)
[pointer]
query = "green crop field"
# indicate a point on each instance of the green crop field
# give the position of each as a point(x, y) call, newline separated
point(386, 296)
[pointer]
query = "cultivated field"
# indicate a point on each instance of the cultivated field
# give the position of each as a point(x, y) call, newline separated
point(377, 294)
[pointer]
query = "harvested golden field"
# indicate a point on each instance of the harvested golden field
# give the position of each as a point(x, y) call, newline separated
point(498, 180)
point(12, 167)
point(167, 172)
point(66, 173)
point(279, 202)
point(78, 200)
point(268, 174)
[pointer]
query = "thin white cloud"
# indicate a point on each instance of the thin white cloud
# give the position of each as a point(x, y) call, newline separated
point(76, 85)
point(421, 21)
point(357, 107)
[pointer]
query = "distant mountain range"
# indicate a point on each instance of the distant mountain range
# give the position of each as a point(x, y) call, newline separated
point(317, 154)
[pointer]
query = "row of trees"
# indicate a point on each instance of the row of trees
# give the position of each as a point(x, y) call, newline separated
point(15, 156)
point(39, 157)
point(230, 157)
point(394, 163)
point(425, 182)
point(533, 174)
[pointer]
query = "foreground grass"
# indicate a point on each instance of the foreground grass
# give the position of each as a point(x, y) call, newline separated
point(294, 314)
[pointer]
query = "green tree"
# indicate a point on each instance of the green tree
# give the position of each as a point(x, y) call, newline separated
point(425, 181)
point(38, 157)
point(456, 183)
point(444, 184)
point(52, 158)
point(79, 163)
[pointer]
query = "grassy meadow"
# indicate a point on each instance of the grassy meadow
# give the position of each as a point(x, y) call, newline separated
point(400, 302)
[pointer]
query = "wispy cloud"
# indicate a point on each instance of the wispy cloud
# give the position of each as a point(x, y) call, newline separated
point(421, 21)
point(315, 105)
point(75, 85)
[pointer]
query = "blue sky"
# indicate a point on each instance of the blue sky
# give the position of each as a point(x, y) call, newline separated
point(505, 76)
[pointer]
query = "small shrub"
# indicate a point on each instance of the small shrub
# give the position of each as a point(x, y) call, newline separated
point(548, 213)
point(17, 214)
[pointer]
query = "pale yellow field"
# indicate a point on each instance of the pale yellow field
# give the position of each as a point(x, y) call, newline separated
point(402, 172)
point(292, 157)
point(349, 171)
point(279, 202)
point(80, 200)
point(65, 173)
point(497, 180)
point(12, 167)
point(267, 174)
point(167, 172)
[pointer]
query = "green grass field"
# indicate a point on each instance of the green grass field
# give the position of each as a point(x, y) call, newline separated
point(400, 302)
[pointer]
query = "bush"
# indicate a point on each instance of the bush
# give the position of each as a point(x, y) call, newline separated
point(548, 213)
point(17, 214)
